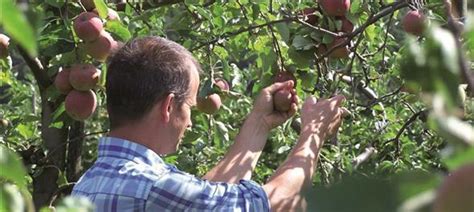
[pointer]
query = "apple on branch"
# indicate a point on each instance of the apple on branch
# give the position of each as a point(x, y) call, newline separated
point(88, 26)
point(4, 43)
point(100, 48)
point(335, 7)
point(283, 98)
point(80, 105)
point(414, 23)
point(61, 82)
point(84, 76)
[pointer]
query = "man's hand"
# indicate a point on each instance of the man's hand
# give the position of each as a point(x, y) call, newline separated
point(323, 116)
point(319, 119)
point(263, 107)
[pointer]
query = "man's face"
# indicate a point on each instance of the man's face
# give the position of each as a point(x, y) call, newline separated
point(181, 117)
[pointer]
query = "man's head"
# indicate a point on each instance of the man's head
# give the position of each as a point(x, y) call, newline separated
point(152, 76)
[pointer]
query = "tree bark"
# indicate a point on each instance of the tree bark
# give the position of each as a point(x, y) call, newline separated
point(45, 184)
point(74, 151)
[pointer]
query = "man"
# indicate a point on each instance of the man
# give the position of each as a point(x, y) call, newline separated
point(152, 84)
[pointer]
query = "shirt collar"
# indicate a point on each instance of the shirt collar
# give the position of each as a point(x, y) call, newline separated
point(129, 150)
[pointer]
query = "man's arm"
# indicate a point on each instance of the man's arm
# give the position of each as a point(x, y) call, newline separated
point(242, 157)
point(319, 120)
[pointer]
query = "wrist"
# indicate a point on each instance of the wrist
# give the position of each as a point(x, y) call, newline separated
point(257, 121)
point(314, 129)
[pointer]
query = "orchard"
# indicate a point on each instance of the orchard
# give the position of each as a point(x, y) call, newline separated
point(406, 68)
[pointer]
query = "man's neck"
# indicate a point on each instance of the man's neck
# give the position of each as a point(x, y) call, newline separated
point(143, 134)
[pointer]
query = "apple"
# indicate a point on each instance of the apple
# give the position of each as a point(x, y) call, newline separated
point(457, 191)
point(88, 4)
point(61, 82)
point(282, 100)
point(341, 52)
point(414, 22)
point(112, 15)
point(347, 26)
point(309, 16)
point(80, 104)
point(88, 26)
point(222, 84)
point(100, 48)
point(4, 123)
point(84, 77)
point(209, 104)
point(121, 6)
point(284, 76)
point(335, 7)
point(4, 42)
point(321, 49)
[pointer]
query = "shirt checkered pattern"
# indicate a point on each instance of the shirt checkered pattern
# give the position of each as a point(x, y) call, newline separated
point(130, 177)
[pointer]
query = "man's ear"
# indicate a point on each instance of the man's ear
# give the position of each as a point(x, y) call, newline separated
point(166, 107)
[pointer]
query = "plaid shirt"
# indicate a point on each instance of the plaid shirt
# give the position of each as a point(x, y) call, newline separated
point(130, 177)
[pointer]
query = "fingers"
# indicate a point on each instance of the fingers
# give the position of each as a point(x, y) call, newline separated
point(339, 99)
point(279, 85)
point(344, 112)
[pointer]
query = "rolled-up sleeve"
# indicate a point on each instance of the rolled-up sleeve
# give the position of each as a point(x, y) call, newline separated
point(179, 191)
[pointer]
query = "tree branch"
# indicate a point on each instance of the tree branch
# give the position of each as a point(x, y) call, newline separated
point(372, 19)
point(37, 68)
point(230, 34)
point(457, 30)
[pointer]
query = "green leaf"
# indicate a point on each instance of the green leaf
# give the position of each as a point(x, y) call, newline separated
point(284, 31)
point(101, 8)
point(328, 198)
point(25, 130)
point(460, 158)
point(302, 43)
point(11, 162)
point(117, 28)
point(452, 128)
point(16, 25)
point(56, 3)
point(10, 198)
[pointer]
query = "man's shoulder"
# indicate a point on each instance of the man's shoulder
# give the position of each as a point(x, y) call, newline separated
point(120, 177)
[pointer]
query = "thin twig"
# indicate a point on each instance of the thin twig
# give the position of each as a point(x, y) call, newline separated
point(231, 34)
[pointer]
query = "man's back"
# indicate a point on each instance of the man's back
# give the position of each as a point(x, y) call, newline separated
point(129, 177)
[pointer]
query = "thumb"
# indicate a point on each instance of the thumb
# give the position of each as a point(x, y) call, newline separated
point(279, 85)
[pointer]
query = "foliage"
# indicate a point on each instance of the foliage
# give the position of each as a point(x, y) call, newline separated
point(411, 112)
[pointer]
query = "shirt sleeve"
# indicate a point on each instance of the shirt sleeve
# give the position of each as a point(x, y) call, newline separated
point(178, 191)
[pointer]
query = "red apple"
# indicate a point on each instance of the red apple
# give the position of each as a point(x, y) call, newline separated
point(284, 76)
point(347, 26)
point(100, 48)
point(309, 16)
point(341, 52)
point(414, 22)
point(62, 81)
point(282, 100)
point(4, 123)
point(4, 42)
point(321, 50)
point(88, 4)
point(84, 77)
point(222, 84)
point(457, 191)
point(88, 26)
point(80, 104)
point(335, 7)
point(209, 104)
point(121, 6)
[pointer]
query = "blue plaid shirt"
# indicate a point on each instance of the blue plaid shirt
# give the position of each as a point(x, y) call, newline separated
point(130, 177)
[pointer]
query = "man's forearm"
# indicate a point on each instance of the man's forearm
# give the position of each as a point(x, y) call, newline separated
point(296, 173)
point(239, 162)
